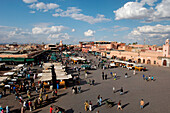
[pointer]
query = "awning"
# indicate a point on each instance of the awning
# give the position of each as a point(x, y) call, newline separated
point(30, 60)
point(3, 79)
point(19, 59)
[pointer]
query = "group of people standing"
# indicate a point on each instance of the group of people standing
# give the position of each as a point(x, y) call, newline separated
point(148, 78)
point(88, 104)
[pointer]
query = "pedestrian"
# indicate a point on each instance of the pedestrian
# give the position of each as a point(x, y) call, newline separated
point(149, 78)
point(7, 109)
point(93, 82)
point(100, 101)
point(16, 95)
point(36, 89)
point(104, 67)
point(142, 103)
point(79, 89)
point(46, 97)
point(115, 76)
point(73, 90)
point(114, 89)
point(22, 109)
point(35, 103)
point(53, 93)
point(134, 72)
point(90, 81)
point(146, 78)
point(86, 105)
point(56, 92)
point(97, 111)
point(143, 77)
point(51, 109)
point(85, 74)
point(76, 90)
point(24, 104)
point(1, 108)
point(121, 91)
point(90, 106)
point(126, 75)
point(2, 111)
point(152, 78)
point(103, 75)
point(111, 74)
point(119, 105)
point(30, 105)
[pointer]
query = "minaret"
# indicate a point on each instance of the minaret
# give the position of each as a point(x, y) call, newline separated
point(166, 48)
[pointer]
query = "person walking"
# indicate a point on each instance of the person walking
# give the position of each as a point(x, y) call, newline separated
point(86, 105)
point(100, 101)
point(51, 109)
point(142, 103)
point(121, 91)
point(119, 105)
point(114, 90)
point(111, 74)
point(30, 105)
point(46, 97)
point(103, 75)
point(134, 72)
point(7, 109)
point(126, 75)
point(22, 109)
point(79, 89)
point(85, 73)
point(90, 106)
point(115, 76)
point(143, 77)
point(93, 82)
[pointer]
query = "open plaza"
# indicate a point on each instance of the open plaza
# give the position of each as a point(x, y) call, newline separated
point(155, 92)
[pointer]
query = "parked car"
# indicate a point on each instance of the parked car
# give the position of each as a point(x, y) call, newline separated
point(140, 67)
point(130, 66)
point(113, 65)
point(86, 66)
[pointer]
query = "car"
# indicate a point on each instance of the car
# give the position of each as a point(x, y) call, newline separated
point(130, 66)
point(140, 67)
point(113, 65)
point(86, 66)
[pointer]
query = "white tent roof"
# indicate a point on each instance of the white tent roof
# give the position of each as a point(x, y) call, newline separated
point(3, 78)
point(74, 58)
point(9, 73)
point(81, 58)
point(48, 77)
point(19, 66)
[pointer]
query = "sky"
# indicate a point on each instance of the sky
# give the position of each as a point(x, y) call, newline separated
point(49, 21)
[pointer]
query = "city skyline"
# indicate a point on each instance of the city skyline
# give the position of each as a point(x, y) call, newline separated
point(37, 21)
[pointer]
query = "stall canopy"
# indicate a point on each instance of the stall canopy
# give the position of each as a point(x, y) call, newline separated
point(9, 73)
point(48, 77)
point(19, 66)
point(3, 79)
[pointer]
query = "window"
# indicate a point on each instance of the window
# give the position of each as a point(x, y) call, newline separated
point(154, 62)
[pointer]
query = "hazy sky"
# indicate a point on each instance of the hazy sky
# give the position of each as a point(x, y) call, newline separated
point(50, 21)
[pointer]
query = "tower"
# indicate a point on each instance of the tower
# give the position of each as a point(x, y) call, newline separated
point(166, 50)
